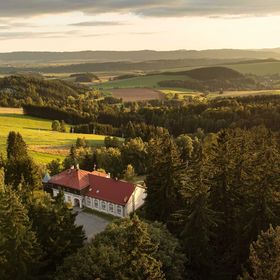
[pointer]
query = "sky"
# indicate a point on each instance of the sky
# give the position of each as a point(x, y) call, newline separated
point(73, 25)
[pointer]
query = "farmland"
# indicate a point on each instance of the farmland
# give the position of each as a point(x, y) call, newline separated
point(44, 145)
point(141, 81)
point(262, 68)
point(137, 94)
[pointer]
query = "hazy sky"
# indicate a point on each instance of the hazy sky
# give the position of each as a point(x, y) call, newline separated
point(67, 25)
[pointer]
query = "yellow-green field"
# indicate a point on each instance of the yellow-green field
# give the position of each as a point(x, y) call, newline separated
point(44, 144)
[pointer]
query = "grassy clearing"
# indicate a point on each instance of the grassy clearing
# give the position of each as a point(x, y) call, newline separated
point(44, 145)
point(140, 82)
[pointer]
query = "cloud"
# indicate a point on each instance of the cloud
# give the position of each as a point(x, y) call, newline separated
point(34, 35)
point(97, 23)
point(155, 8)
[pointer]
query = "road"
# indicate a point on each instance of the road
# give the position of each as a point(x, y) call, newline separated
point(92, 224)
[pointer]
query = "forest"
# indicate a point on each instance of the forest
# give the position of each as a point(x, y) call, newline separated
point(211, 169)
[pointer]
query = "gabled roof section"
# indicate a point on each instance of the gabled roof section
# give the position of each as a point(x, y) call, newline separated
point(107, 189)
point(72, 178)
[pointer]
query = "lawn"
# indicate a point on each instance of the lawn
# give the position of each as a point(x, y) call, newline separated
point(43, 143)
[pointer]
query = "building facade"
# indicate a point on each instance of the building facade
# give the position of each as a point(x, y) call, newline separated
point(96, 190)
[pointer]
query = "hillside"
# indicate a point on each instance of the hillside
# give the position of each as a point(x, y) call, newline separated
point(101, 56)
point(43, 143)
point(16, 90)
point(210, 73)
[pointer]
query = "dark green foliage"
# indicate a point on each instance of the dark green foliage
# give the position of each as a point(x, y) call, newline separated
point(19, 249)
point(264, 259)
point(112, 142)
point(81, 143)
point(164, 179)
point(56, 125)
point(19, 167)
point(54, 167)
point(127, 249)
point(134, 152)
point(57, 233)
point(72, 159)
point(16, 147)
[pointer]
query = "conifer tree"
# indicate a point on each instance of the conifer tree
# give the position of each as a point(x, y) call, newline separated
point(19, 250)
point(124, 250)
point(58, 235)
point(164, 179)
point(196, 221)
point(16, 147)
point(264, 259)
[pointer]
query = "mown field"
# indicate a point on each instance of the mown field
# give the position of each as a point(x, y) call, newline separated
point(44, 145)
point(137, 94)
point(262, 68)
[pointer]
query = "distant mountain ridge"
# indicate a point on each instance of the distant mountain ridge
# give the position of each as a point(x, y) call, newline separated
point(14, 58)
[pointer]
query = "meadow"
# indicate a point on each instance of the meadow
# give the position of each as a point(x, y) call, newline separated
point(150, 81)
point(44, 144)
point(261, 68)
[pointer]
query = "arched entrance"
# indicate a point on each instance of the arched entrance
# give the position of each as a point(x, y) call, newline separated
point(77, 203)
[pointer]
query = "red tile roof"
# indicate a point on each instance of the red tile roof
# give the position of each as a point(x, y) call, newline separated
point(107, 189)
point(100, 187)
point(72, 178)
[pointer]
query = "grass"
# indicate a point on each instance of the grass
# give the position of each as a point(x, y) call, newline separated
point(262, 68)
point(141, 81)
point(242, 93)
point(43, 143)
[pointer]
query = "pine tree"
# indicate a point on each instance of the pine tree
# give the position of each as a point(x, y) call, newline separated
point(164, 179)
point(196, 221)
point(19, 167)
point(19, 250)
point(57, 232)
point(264, 259)
point(16, 147)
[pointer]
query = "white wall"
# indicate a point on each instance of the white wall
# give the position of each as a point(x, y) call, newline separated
point(136, 200)
point(70, 197)
point(104, 206)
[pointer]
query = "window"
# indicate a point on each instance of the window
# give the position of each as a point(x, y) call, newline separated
point(119, 210)
point(111, 207)
point(103, 205)
point(96, 203)
point(88, 201)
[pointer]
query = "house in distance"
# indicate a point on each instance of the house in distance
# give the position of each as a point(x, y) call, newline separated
point(96, 190)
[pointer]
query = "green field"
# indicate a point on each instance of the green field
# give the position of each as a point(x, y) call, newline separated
point(262, 68)
point(44, 145)
point(142, 81)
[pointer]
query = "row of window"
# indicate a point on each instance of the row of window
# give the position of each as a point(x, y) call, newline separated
point(103, 205)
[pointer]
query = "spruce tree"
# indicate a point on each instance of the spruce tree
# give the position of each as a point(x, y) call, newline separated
point(196, 221)
point(264, 259)
point(164, 179)
point(58, 235)
point(19, 249)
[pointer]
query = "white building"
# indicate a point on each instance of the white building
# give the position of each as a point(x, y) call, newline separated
point(97, 191)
